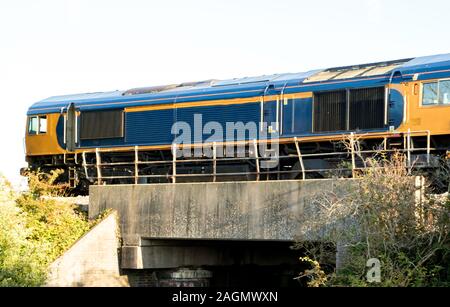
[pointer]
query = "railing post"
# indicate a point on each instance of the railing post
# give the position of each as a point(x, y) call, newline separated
point(428, 146)
point(85, 166)
point(405, 149)
point(352, 148)
point(136, 164)
point(174, 163)
point(98, 164)
point(408, 148)
point(255, 148)
point(214, 161)
point(300, 158)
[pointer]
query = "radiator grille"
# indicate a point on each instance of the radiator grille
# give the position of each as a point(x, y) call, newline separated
point(367, 108)
point(355, 109)
point(330, 110)
point(101, 124)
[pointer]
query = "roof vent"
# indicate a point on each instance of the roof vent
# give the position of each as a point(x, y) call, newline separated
point(348, 72)
point(149, 89)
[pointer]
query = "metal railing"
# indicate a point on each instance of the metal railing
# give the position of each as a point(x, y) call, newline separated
point(353, 150)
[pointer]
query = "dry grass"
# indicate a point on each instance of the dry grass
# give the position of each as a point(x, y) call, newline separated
point(382, 217)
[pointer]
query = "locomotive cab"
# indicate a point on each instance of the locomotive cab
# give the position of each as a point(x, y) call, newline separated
point(36, 134)
point(41, 138)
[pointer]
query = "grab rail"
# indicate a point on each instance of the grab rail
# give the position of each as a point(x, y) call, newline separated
point(353, 151)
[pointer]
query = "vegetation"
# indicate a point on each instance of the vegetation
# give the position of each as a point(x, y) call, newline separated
point(383, 216)
point(35, 230)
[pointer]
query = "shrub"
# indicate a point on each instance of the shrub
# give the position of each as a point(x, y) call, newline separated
point(46, 184)
point(34, 231)
point(382, 217)
point(18, 264)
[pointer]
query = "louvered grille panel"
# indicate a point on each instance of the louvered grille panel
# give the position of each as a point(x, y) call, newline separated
point(330, 110)
point(367, 108)
point(101, 124)
point(355, 109)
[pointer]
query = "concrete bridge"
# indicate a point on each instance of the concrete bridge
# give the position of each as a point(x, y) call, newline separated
point(168, 226)
point(198, 234)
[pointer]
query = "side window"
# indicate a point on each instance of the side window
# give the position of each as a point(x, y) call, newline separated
point(444, 92)
point(37, 125)
point(33, 125)
point(430, 93)
point(436, 93)
point(42, 124)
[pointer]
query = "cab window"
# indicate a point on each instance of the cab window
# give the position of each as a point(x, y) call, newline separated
point(42, 124)
point(436, 93)
point(33, 125)
point(37, 125)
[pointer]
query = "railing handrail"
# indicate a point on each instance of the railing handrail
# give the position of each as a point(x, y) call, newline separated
point(408, 149)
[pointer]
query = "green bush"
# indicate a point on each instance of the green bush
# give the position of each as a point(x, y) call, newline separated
point(34, 231)
point(18, 264)
point(53, 226)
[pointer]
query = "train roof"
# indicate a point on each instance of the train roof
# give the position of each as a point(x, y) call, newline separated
point(368, 74)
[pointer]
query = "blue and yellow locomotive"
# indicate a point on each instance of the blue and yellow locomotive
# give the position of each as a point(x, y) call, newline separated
point(127, 136)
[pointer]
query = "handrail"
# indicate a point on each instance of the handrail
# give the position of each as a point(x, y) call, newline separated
point(352, 151)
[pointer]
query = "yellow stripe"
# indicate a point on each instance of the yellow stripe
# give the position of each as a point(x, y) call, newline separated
point(298, 95)
point(214, 102)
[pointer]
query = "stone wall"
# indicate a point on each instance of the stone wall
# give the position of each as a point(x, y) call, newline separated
point(92, 261)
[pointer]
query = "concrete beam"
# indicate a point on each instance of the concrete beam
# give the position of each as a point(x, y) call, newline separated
point(163, 254)
point(232, 210)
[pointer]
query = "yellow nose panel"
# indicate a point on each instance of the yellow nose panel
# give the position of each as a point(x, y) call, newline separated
point(44, 143)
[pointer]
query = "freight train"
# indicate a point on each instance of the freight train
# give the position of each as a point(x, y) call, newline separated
point(131, 136)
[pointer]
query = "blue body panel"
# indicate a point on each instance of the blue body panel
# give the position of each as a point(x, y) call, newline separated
point(297, 117)
point(396, 106)
point(154, 127)
point(149, 127)
point(426, 64)
point(223, 114)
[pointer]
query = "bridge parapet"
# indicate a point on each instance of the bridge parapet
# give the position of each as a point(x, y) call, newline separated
point(216, 211)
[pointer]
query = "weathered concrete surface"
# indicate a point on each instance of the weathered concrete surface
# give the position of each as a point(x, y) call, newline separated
point(160, 254)
point(233, 210)
point(155, 219)
point(92, 260)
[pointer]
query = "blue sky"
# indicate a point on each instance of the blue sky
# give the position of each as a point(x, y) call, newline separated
point(52, 47)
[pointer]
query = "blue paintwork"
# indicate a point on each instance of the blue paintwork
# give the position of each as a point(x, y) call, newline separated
point(222, 114)
point(60, 132)
point(396, 107)
point(297, 109)
point(242, 88)
point(425, 64)
point(149, 127)
point(153, 127)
